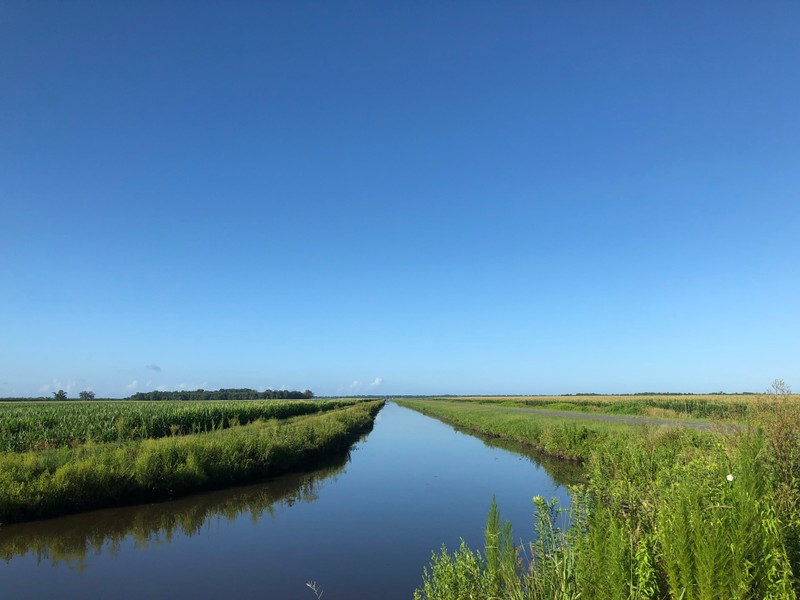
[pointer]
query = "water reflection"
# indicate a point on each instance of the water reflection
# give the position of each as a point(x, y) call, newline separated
point(70, 540)
point(564, 473)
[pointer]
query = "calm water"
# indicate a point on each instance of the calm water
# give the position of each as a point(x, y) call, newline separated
point(362, 527)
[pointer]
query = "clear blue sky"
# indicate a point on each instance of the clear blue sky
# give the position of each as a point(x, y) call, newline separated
point(399, 197)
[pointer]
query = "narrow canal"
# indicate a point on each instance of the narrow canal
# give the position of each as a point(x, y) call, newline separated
point(361, 527)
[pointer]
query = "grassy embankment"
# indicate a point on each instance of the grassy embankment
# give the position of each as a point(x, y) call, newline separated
point(160, 450)
point(563, 438)
point(667, 512)
point(74, 540)
point(666, 406)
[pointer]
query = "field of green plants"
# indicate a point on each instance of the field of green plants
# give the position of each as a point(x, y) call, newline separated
point(63, 467)
point(43, 425)
point(667, 512)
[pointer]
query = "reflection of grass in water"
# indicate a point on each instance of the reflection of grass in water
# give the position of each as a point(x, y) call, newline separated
point(564, 472)
point(72, 539)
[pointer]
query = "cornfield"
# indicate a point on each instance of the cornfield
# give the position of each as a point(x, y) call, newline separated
point(40, 426)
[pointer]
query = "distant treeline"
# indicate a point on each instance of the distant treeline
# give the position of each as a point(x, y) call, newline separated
point(224, 394)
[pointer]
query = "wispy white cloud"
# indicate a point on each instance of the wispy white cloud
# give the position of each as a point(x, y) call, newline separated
point(353, 386)
point(376, 382)
point(57, 384)
point(132, 384)
point(192, 386)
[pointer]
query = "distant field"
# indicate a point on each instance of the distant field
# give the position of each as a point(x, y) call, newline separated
point(711, 406)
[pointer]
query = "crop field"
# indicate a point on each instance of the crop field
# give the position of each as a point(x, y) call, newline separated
point(69, 457)
point(43, 425)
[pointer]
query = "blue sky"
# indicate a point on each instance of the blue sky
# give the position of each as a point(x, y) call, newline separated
point(409, 197)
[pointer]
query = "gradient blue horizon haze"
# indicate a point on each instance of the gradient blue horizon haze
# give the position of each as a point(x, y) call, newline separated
point(399, 197)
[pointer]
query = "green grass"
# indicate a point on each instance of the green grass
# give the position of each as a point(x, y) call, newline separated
point(37, 484)
point(712, 406)
point(667, 512)
point(555, 436)
point(44, 425)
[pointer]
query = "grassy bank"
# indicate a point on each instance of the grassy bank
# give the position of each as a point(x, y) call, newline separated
point(562, 438)
point(667, 513)
point(74, 540)
point(671, 406)
point(37, 484)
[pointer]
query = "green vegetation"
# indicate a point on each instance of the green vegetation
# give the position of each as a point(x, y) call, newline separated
point(558, 437)
point(62, 479)
point(39, 426)
point(667, 512)
point(223, 394)
point(684, 406)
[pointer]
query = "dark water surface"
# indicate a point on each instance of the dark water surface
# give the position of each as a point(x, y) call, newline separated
point(362, 527)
